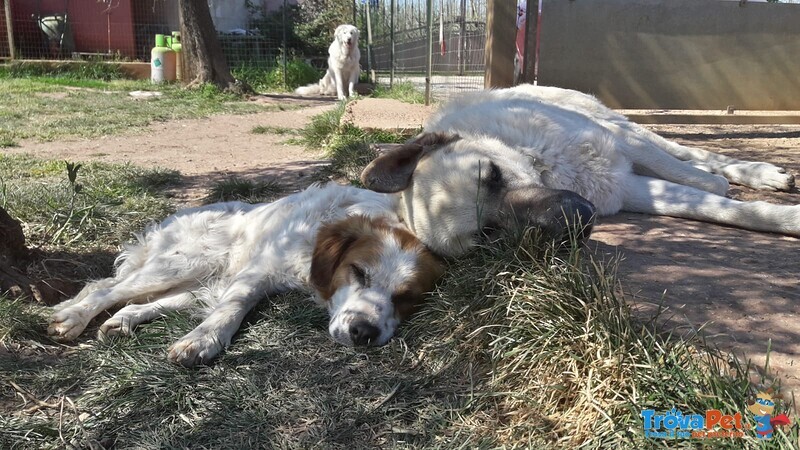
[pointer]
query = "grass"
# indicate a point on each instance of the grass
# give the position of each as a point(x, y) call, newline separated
point(521, 346)
point(271, 79)
point(405, 91)
point(243, 190)
point(280, 131)
point(104, 206)
point(347, 146)
point(47, 107)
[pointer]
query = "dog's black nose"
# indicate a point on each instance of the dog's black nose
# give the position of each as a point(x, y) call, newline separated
point(363, 333)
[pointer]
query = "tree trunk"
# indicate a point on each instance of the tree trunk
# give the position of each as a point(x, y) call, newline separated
point(204, 60)
point(14, 254)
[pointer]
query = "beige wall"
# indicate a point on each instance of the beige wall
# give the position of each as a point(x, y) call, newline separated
point(686, 54)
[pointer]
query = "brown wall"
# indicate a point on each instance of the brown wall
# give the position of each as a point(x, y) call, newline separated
point(684, 54)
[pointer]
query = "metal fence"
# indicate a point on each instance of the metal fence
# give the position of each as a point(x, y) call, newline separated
point(259, 32)
point(400, 48)
point(253, 33)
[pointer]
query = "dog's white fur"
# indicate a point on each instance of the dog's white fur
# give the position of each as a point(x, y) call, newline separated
point(343, 66)
point(563, 139)
point(221, 259)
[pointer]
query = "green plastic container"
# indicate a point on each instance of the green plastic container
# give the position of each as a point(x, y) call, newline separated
point(175, 44)
point(162, 61)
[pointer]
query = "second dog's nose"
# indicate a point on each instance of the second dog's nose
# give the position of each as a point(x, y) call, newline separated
point(363, 333)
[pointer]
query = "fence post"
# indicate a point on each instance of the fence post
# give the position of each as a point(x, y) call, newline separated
point(429, 59)
point(462, 39)
point(529, 54)
point(369, 46)
point(285, 75)
point(391, 43)
point(12, 51)
point(500, 34)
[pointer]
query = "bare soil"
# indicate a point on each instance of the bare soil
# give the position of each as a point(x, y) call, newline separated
point(741, 287)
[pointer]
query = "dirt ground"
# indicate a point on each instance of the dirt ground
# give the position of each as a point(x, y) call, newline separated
point(742, 287)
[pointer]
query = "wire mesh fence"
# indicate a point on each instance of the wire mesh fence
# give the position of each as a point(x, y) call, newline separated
point(263, 34)
point(400, 47)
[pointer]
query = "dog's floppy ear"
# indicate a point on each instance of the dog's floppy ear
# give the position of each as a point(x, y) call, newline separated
point(333, 242)
point(392, 170)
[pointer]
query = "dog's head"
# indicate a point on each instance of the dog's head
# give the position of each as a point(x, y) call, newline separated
point(347, 35)
point(453, 191)
point(371, 275)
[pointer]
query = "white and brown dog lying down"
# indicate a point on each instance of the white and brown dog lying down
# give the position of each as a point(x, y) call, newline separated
point(546, 156)
point(346, 245)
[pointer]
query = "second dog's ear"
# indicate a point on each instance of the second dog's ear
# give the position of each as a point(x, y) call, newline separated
point(392, 170)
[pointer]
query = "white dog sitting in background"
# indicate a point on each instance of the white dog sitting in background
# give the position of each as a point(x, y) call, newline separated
point(345, 244)
point(343, 66)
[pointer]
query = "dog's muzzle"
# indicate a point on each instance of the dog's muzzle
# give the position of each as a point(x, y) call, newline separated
point(560, 215)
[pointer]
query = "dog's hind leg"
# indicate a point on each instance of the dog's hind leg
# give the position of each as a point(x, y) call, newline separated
point(652, 161)
point(206, 341)
point(140, 285)
point(129, 317)
point(653, 196)
point(758, 175)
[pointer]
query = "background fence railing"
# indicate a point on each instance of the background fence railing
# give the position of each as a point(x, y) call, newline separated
point(257, 33)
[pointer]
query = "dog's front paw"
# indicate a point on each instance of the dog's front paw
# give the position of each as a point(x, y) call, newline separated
point(115, 326)
point(194, 349)
point(67, 324)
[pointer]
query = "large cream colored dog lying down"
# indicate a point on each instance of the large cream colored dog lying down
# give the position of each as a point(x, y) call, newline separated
point(548, 156)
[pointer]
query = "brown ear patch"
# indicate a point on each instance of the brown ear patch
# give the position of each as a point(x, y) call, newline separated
point(355, 237)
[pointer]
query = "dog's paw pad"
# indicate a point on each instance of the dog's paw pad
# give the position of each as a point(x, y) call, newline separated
point(66, 325)
point(192, 351)
point(115, 326)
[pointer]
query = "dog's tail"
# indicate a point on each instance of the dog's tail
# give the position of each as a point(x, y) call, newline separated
point(311, 89)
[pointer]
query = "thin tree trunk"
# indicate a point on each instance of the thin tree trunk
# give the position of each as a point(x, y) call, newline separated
point(204, 60)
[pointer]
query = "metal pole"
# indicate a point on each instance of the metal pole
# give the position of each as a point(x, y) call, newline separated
point(429, 64)
point(12, 51)
point(529, 53)
point(355, 13)
point(391, 48)
point(369, 47)
point(285, 76)
point(462, 40)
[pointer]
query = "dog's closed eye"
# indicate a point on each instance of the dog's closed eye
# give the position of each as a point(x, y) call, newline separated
point(360, 275)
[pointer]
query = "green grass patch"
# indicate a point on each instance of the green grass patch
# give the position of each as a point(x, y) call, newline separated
point(243, 190)
point(405, 91)
point(347, 146)
point(271, 79)
point(280, 131)
point(92, 213)
point(50, 108)
point(88, 71)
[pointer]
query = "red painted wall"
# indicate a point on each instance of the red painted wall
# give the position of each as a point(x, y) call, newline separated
point(87, 19)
